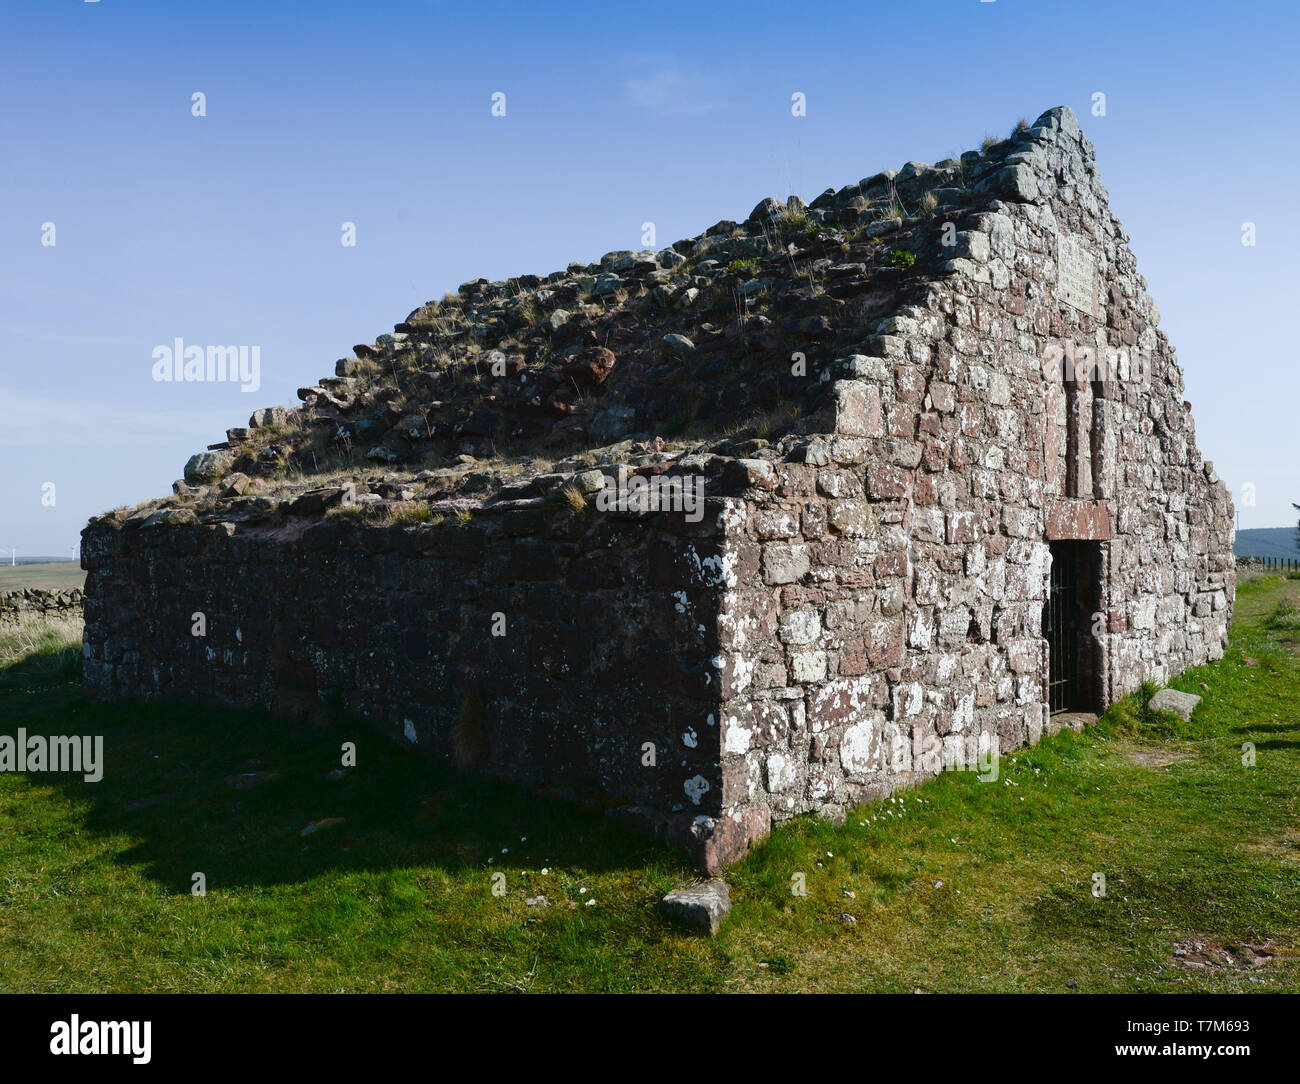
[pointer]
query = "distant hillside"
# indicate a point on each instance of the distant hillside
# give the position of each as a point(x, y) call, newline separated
point(50, 576)
point(1267, 542)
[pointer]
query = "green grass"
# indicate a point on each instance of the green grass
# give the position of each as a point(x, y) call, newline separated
point(901, 258)
point(957, 886)
point(54, 576)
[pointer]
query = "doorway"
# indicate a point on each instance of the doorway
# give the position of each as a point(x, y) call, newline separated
point(1073, 652)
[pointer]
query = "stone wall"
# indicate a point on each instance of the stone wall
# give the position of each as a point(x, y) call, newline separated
point(566, 649)
point(33, 602)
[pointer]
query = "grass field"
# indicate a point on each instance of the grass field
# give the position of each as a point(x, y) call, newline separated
point(55, 576)
point(957, 886)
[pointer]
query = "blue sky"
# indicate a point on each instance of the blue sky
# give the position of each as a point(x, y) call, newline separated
point(226, 228)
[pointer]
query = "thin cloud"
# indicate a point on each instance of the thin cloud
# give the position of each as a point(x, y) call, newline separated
point(53, 335)
point(41, 420)
point(669, 91)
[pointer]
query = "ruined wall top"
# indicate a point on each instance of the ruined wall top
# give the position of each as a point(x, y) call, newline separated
point(732, 346)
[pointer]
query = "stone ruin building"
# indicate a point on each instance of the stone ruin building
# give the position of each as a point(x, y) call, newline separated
point(769, 522)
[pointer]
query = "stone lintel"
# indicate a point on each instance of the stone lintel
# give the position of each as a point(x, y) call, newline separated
point(1084, 521)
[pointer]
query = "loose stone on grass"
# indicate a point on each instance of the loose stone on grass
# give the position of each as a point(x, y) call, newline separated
point(700, 907)
point(1181, 704)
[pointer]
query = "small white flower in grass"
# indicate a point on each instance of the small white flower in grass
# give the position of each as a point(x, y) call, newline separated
point(523, 839)
point(590, 903)
point(545, 871)
point(582, 891)
point(505, 850)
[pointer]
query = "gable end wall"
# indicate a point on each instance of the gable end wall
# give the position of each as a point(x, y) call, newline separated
point(912, 637)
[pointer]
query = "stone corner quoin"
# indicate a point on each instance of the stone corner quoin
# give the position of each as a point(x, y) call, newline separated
point(969, 496)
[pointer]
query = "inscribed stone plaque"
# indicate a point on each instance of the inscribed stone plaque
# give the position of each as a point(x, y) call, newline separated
point(1076, 275)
